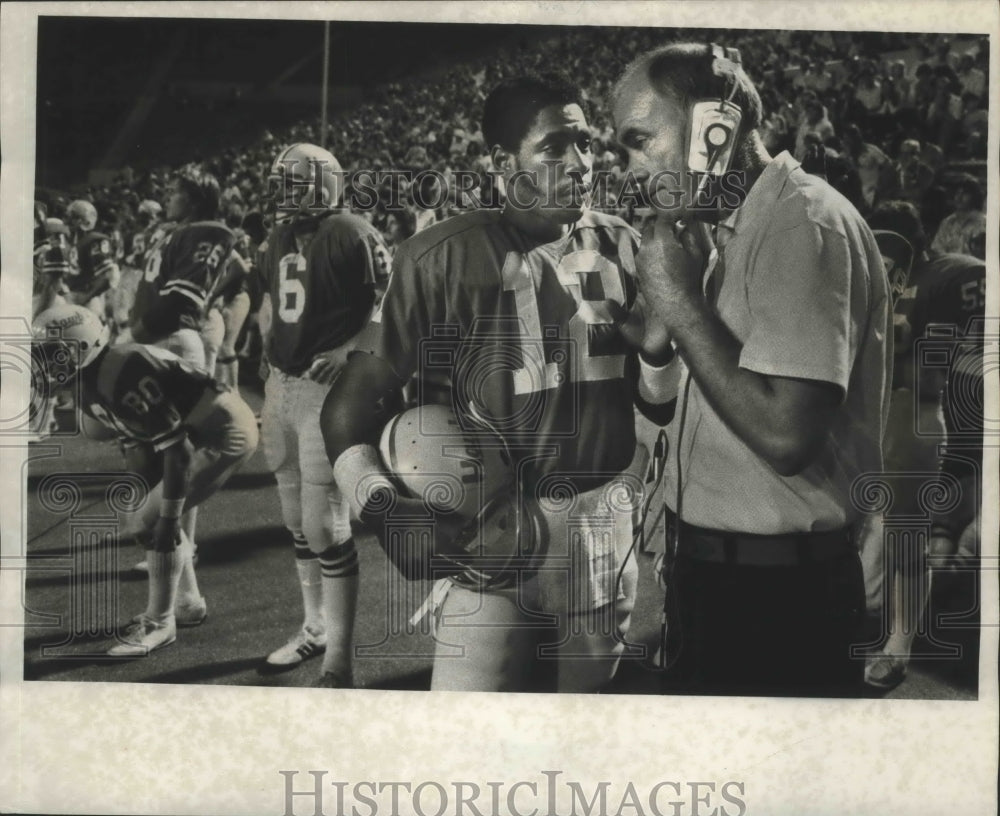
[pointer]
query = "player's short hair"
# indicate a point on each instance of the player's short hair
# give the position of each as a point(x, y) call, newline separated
point(901, 217)
point(684, 71)
point(513, 105)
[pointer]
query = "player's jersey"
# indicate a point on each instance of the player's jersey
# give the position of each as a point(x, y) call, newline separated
point(146, 394)
point(322, 297)
point(181, 271)
point(524, 332)
point(94, 258)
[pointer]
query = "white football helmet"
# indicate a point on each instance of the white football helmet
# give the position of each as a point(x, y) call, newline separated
point(81, 215)
point(293, 182)
point(432, 458)
point(68, 338)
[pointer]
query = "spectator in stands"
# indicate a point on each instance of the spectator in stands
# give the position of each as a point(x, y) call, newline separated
point(960, 232)
point(873, 166)
point(814, 121)
point(912, 176)
point(972, 80)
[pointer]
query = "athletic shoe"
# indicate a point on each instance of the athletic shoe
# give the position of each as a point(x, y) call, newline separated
point(330, 679)
point(303, 645)
point(186, 614)
point(884, 671)
point(144, 637)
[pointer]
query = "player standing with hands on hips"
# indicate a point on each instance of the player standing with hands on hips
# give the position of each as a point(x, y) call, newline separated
point(780, 315)
point(319, 266)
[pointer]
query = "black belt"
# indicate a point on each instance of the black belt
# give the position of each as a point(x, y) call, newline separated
point(791, 549)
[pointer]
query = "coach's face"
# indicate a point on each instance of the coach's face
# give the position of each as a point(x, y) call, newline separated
point(653, 129)
point(550, 172)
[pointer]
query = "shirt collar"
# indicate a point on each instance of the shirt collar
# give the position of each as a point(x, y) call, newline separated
point(762, 195)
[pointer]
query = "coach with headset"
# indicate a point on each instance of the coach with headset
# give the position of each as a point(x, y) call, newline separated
point(765, 298)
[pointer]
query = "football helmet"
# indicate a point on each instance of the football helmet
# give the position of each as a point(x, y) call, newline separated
point(81, 215)
point(434, 459)
point(150, 210)
point(306, 181)
point(67, 338)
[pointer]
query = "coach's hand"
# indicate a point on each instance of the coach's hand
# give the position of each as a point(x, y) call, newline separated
point(670, 265)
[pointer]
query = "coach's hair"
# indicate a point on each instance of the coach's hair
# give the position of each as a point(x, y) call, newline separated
point(901, 217)
point(684, 72)
point(512, 106)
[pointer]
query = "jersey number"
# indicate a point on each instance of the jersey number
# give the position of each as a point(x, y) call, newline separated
point(537, 374)
point(147, 394)
point(153, 266)
point(974, 295)
point(291, 292)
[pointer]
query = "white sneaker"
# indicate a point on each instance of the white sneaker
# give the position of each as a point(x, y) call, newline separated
point(190, 613)
point(304, 644)
point(144, 637)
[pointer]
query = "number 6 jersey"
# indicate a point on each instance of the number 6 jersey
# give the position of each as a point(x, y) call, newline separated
point(524, 331)
point(146, 394)
point(321, 296)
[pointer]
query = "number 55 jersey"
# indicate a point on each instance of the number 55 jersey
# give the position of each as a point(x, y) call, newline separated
point(525, 332)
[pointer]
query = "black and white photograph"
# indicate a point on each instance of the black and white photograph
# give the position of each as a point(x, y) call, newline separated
point(534, 408)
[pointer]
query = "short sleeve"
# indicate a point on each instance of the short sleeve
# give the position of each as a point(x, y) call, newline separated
point(799, 298)
point(413, 304)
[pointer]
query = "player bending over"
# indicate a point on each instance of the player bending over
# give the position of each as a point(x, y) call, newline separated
point(156, 402)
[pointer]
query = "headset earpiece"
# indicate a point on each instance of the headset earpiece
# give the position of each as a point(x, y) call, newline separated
point(715, 123)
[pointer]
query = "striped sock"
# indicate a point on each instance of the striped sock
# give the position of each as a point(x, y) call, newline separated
point(340, 597)
point(308, 567)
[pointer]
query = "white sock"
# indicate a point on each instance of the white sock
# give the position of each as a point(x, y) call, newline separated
point(187, 585)
point(340, 599)
point(310, 578)
point(164, 572)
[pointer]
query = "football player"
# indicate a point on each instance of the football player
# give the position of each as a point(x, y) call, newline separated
point(531, 295)
point(171, 305)
point(319, 268)
point(944, 298)
point(154, 401)
point(96, 269)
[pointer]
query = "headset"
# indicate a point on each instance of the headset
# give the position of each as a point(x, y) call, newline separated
point(715, 123)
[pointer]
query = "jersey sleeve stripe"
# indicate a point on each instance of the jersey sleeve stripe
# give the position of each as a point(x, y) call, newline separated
point(166, 440)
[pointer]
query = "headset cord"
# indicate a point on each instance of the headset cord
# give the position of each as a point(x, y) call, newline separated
point(659, 452)
point(672, 549)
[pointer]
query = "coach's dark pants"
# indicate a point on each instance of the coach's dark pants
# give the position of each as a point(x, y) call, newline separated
point(767, 630)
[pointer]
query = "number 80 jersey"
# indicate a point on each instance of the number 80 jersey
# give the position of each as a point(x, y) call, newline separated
point(144, 393)
point(524, 331)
